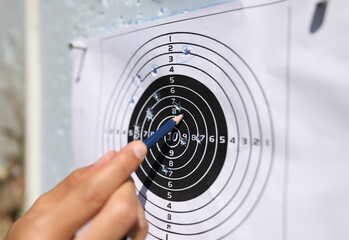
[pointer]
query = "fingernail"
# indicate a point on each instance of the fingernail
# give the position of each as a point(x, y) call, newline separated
point(140, 150)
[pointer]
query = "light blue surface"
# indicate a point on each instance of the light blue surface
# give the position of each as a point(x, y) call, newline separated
point(11, 83)
point(60, 23)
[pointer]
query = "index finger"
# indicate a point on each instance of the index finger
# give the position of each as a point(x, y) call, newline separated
point(49, 199)
point(89, 196)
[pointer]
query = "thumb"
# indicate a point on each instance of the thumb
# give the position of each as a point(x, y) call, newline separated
point(131, 156)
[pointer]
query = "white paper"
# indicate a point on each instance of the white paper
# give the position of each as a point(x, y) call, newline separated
point(244, 53)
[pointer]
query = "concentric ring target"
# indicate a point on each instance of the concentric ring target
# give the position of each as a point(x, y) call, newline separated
point(187, 160)
point(210, 171)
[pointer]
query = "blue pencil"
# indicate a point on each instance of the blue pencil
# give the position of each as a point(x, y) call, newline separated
point(150, 141)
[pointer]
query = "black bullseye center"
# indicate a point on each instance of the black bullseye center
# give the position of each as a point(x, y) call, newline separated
point(172, 138)
point(193, 153)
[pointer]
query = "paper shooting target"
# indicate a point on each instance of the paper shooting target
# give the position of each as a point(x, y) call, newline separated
point(210, 170)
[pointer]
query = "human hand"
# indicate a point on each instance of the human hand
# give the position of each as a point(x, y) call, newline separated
point(102, 194)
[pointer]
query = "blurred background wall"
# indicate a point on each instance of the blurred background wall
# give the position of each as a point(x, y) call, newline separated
point(11, 110)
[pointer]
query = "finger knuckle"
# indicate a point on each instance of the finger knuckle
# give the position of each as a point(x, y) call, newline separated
point(143, 226)
point(93, 197)
point(74, 178)
point(126, 210)
point(125, 166)
point(33, 229)
point(112, 152)
point(42, 199)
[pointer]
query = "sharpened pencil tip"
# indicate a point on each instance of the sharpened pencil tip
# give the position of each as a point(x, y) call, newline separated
point(178, 118)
